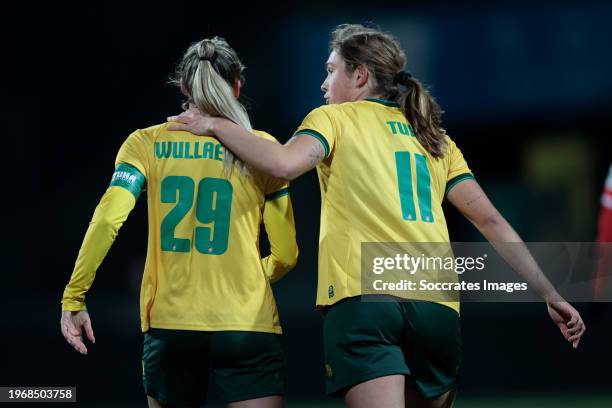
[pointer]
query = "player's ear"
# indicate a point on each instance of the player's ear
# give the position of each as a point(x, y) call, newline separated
point(236, 88)
point(184, 89)
point(361, 75)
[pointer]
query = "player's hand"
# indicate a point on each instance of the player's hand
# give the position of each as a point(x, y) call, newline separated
point(194, 121)
point(568, 320)
point(72, 324)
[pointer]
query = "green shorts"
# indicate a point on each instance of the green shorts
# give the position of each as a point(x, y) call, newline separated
point(245, 365)
point(369, 339)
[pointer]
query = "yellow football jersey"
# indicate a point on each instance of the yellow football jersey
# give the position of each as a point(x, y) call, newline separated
point(203, 269)
point(378, 184)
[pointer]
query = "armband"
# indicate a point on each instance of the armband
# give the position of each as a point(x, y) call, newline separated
point(128, 177)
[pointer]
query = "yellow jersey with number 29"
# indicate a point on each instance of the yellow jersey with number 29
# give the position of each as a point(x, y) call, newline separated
point(203, 269)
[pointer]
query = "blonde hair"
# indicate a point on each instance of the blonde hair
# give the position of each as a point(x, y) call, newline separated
point(384, 58)
point(209, 70)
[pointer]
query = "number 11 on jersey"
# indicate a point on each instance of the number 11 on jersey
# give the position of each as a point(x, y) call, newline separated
point(404, 182)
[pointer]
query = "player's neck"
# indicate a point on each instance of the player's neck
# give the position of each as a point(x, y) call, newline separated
point(368, 94)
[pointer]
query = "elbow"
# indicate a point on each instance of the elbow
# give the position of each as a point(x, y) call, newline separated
point(290, 259)
point(284, 169)
point(281, 170)
point(106, 222)
point(491, 221)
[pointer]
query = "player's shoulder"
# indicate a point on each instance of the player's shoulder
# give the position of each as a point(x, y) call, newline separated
point(149, 133)
point(333, 113)
point(450, 143)
point(154, 130)
point(451, 149)
point(264, 135)
point(331, 109)
point(339, 110)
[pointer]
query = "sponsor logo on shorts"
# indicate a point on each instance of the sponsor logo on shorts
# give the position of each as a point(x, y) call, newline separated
point(328, 371)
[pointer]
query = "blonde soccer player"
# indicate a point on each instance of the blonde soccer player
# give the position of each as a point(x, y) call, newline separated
point(384, 165)
point(206, 301)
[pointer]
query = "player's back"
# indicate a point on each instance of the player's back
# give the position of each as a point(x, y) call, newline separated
point(378, 184)
point(203, 268)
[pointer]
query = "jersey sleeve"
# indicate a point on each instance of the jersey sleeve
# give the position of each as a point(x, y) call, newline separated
point(458, 169)
point(127, 182)
point(280, 228)
point(279, 223)
point(110, 214)
point(321, 124)
point(134, 152)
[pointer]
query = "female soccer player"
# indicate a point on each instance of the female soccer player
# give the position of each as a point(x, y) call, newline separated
point(206, 301)
point(378, 137)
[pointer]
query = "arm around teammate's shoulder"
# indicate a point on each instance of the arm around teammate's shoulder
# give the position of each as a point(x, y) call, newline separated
point(287, 161)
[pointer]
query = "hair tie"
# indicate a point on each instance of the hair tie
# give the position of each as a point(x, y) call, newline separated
point(212, 58)
point(402, 77)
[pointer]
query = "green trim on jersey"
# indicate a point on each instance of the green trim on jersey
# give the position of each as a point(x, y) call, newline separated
point(456, 180)
point(317, 136)
point(385, 102)
point(280, 193)
point(128, 177)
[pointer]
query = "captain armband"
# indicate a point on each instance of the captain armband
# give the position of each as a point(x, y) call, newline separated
point(128, 177)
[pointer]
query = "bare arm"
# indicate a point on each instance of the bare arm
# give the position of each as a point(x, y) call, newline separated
point(473, 203)
point(287, 161)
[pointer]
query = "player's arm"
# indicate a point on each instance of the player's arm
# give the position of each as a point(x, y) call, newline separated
point(472, 202)
point(110, 214)
point(280, 228)
point(287, 161)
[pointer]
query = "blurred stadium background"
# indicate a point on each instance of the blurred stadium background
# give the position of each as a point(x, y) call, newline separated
point(527, 91)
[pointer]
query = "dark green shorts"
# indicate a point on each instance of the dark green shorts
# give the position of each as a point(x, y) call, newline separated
point(370, 339)
point(245, 365)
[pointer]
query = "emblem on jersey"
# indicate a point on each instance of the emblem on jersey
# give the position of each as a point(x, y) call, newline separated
point(330, 291)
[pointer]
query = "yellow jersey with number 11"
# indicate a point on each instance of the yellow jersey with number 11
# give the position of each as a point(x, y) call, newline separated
point(378, 184)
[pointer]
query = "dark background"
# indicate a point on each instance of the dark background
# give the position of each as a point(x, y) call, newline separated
point(527, 91)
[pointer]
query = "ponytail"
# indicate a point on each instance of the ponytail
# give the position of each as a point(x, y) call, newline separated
point(423, 113)
point(209, 70)
point(384, 58)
